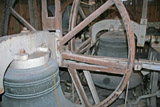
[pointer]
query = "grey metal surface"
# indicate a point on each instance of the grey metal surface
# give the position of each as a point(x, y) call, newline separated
point(146, 64)
point(111, 81)
point(34, 60)
point(11, 45)
point(114, 44)
point(34, 87)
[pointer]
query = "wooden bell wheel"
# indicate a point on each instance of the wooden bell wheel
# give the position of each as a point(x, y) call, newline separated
point(91, 63)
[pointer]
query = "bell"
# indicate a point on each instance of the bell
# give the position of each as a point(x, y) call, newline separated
point(114, 44)
point(33, 81)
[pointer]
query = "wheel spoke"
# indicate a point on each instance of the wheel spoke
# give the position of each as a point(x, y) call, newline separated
point(22, 20)
point(131, 56)
point(58, 16)
point(94, 68)
point(83, 45)
point(79, 87)
point(81, 12)
point(85, 22)
point(64, 6)
point(94, 60)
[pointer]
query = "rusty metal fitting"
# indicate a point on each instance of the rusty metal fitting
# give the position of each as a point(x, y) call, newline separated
point(111, 28)
point(137, 67)
point(25, 30)
point(1, 90)
point(43, 48)
point(120, 29)
point(21, 56)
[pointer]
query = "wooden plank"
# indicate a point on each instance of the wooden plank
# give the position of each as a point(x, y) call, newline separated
point(2, 6)
point(33, 13)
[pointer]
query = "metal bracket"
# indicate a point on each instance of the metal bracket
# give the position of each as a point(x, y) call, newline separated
point(138, 29)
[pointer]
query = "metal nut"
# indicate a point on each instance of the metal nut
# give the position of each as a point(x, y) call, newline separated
point(25, 30)
point(111, 28)
point(1, 90)
point(120, 28)
point(43, 48)
point(22, 55)
point(137, 67)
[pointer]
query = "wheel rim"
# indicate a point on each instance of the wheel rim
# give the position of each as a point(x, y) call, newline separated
point(131, 52)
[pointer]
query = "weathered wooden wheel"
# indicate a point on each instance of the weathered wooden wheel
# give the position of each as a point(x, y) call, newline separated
point(76, 11)
point(100, 64)
point(91, 63)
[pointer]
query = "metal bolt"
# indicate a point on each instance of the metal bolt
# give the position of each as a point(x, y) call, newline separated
point(24, 30)
point(111, 28)
point(137, 67)
point(120, 28)
point(22, 51)
point(21, 56)
point(2, 90)
point(43, 48)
